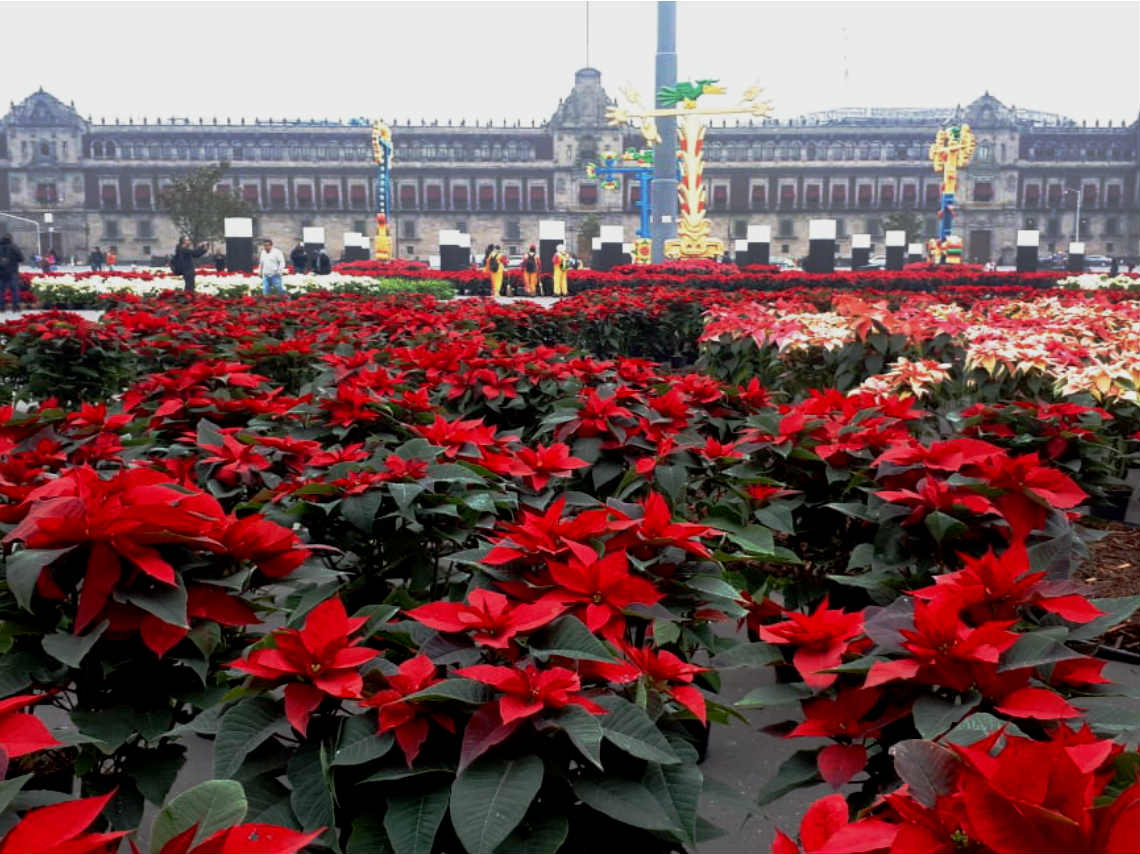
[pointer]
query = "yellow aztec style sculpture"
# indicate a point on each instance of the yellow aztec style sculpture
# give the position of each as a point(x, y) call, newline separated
point(694, 239)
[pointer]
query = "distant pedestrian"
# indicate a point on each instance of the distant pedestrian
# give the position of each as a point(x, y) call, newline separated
point(1114, 269)
point(531, 267)
point(183, 263)
point(95, 260)
point(561, 264)
point(322, 264)
point(496, 266)
point(49, 262)
point(300, 258)
point(270, 266)
point(220, 262)
point(10, 258)
point(110, 258)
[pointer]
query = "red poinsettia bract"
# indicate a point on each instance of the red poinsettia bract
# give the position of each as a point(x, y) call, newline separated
point(601, 589)
point(242, 839)
point(408, 721)
point(59, 829)
point(663, 670)
point(317, 661)
point(527, 690)
point(490, 615)
point(821, 638)
point(21, 732)
point(826, 828)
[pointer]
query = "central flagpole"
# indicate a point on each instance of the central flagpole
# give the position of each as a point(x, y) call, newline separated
point(664, 225)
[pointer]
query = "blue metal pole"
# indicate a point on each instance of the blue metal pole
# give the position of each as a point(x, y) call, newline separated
point(644, 203)
point(664, 225)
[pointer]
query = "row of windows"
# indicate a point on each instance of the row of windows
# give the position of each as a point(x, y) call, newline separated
point(144, 230)
point(1074, 152)
point(1057, 196)
point(268, 151)
point(485, 199)
point(276, 197)
point(514, 152)
point(794, 150)
point(511, 151)
point(1052, 227)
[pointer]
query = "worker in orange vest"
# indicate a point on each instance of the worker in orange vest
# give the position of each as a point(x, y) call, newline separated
point(531, 267)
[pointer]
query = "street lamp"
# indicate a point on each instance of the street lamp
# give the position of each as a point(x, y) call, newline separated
point(1077, 226)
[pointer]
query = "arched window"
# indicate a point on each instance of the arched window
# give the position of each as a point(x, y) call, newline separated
point(835, 151)
point(861, 151)
point(875, 152)
point(811, 151)
point(769, 151)
point(97, 149)
point(890, 151)
point(849, 152)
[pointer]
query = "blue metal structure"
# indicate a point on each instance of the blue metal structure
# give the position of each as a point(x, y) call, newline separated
point(640, 166)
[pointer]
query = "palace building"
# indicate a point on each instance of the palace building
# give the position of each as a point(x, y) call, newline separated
point(99, 179)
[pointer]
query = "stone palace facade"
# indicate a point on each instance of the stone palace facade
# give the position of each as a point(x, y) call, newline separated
point(99, 179)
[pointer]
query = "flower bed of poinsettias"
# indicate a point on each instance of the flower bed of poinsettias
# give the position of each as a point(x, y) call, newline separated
point(993, 348)
point(727, 277)
point(429, 579)
point(89, 290)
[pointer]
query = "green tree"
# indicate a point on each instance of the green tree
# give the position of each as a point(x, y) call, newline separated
point(908, 221)
point(590, 229)
point(197, 208)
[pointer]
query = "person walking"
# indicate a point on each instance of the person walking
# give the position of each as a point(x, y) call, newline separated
point(300, 258)
point(560, 263)
point(270, 266)
point(110, 258)
point(531, 267)
point(10, 258)
point(95, 260)
point(322, 264)
point(183, 262)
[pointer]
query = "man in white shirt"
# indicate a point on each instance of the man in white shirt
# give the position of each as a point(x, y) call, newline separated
point(270, 266)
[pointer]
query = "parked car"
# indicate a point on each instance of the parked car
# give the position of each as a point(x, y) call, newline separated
point(783, 263)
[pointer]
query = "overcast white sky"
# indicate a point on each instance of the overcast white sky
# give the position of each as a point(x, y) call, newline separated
point(514, 60)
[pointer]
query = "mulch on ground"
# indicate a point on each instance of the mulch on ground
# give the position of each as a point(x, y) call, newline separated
point(1113, 569)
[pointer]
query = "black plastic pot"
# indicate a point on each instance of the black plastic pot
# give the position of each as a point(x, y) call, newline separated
point(697, 734)
point(1124, 656)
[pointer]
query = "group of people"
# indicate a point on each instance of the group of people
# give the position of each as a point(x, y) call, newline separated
point(496, 262)
point(98, 259)
point(271, 264)
point(314, 261)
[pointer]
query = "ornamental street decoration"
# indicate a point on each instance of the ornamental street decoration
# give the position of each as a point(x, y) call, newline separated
point(951, 150)
point(694, 238)
point(638, 164)
point(382, 157)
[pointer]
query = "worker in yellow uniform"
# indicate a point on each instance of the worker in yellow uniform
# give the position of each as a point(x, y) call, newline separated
point(496, 264)
point(531, 267)
point(559, 263)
